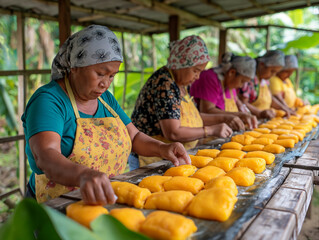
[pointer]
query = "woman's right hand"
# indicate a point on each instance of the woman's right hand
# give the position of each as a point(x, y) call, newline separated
point(219, 130)
point(268, 113)
point(234, 122)
point(95, 188)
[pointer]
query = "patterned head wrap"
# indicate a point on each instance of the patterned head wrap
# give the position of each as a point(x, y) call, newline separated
point(188, 52)
point(245, 66)
point(291, 62)
point(92, 45)
point(273, 58)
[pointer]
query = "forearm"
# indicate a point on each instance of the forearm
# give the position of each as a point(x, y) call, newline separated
point(212, 119)
point(142, 140)
point(58, 168)
point(254, 110)
point(275, 103)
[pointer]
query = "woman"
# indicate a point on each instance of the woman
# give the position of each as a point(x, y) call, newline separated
point(164, 109)
point(281, 86)
point(215, 90)
point(256, 94)
point(77, 135)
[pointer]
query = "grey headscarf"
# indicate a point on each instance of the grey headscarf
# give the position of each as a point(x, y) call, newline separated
point(291, 62)
point(273, 58)
point(244, 65)
point(92, 45)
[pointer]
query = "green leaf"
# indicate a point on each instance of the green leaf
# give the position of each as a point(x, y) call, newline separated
point(303, 42)
point(107, 225)
point(296, 17)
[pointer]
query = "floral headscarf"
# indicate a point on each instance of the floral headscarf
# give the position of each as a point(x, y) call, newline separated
point(188, 52)
point(291, 62)
point(244, 65)
point(273, 58)
point(92, 45)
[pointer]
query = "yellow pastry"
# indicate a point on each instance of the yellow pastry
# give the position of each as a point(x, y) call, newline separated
point(129, 217)
point(193, 185)
point(232, 145)
point(263, 141)
point(269, 126)
point(84, 214)
point(269, 135)
point(167, 226)
point(200, 161)
point(213, 204)
point(262, 130)
point(280, 113)
point(274, 148)
point(175, 200)
point(285, 126)
point(130, 194)
point(208, 152)
point(154, 183)
point(289, 136)
point(280, 131)
point(299, 134)
point(209, 172)
point(258, 165)
point(222, 182)
point(224, 163)
point(254, 134)
point(243, 139)
point(242, 176)
point(287, 143)
point(269, 157)
point(182, 170)
point(253, 147)
point(232, 153)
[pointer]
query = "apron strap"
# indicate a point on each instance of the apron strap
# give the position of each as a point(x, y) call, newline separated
point(230, 91)
point(75, 108)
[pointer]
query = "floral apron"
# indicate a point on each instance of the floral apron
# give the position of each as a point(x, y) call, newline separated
point(264, 98)
point(102, 144)
point(230, 103)
point(190, 117)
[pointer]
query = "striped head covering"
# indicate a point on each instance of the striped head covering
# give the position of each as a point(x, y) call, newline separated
point(188, 52)
point(92, 45)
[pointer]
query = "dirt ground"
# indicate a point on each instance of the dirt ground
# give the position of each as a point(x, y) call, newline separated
point(310, 228)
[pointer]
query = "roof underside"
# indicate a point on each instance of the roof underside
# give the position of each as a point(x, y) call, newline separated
point(151, 16)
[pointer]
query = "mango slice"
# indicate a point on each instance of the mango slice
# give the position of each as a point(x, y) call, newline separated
point(200, 161)
point(209, 172)
point(274, 148)
point(224, 163)
point(287, 143)
point(232, 153)
point(222, 182)
point(242, 176)
point(208, 152)
point(232, 145)
point(182, 170)
point(268, 157)
point(253, 147)
point(258, 165)
point(154, 183)
point(193, 185)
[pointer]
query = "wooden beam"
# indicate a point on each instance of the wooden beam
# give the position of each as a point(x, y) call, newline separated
point(277, 26)
point(170, 10)
point(125, 70)
point(174, 28)
point(22, 92)
point(268, 39)
point(220, 9)
point(64, 20)
point(222, 44)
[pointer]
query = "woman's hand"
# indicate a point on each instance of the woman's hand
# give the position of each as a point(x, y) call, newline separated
point(249, 119)
point(268, 113)
point(175, 152)
point(234, 122)
point(219, 130)
point(95, 188)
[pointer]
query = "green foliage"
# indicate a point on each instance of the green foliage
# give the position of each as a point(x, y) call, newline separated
point(33, 221)
point(304, 42)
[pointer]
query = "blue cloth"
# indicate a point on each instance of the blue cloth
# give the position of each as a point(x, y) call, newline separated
point(50, 109)
point(133, 162)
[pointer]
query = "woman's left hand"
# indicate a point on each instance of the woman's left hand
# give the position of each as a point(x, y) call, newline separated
point(175, 152)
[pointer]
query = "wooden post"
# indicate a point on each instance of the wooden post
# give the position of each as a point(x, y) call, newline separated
point(125, 71)
point(154, 60)
point(174, 27)
point(22, 86)
point(268, 39)
point(142, 63)
point(64, 20)
point(222, 43)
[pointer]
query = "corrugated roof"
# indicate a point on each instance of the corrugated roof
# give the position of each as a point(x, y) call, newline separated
point(149, 16)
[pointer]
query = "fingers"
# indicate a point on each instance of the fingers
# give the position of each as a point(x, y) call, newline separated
point(109, 192)
point(254, 122)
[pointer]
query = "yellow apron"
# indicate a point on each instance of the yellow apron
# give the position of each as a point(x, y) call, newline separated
point(289, 93)
point(102, 144)
point(190, 117)
point(263, 100)
point(230, 103)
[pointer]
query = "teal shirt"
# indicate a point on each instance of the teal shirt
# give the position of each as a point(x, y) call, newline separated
point(50, 109)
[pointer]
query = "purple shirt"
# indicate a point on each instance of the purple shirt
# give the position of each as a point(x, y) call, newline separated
point(208, 87)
